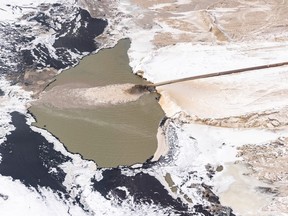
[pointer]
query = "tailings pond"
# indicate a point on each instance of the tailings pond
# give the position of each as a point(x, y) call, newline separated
point(90, 111)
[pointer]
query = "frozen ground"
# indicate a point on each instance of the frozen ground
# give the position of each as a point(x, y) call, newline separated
point(170, 39)
point(176, 39)
point(37, 173)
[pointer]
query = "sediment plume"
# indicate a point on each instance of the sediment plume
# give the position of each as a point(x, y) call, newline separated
point(69, 96)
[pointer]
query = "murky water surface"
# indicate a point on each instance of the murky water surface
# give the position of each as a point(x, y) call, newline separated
point(110, 134)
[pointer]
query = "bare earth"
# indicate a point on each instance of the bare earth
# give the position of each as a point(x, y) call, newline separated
point(219, 21)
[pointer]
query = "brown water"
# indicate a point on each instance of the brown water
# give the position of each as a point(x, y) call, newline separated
point(120, 134)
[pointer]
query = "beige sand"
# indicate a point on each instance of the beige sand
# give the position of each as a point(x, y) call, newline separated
point(162, 146)
point(244, 194)
point(220, 21)
point(232, 95)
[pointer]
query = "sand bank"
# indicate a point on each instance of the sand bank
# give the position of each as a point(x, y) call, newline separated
point(162, 145)
point(71, 97)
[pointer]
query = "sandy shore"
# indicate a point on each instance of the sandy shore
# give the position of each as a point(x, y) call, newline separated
point(162, 145)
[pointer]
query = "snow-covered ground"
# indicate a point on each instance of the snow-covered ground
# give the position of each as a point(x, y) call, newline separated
point(176, 39)
point(170, 39)
point(62, 183)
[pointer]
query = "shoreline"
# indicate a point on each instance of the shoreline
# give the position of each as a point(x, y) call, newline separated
point(197, 38)
point(93, 99)
point(162, 146)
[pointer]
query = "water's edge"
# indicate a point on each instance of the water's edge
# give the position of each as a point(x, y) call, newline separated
point(110, 135)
